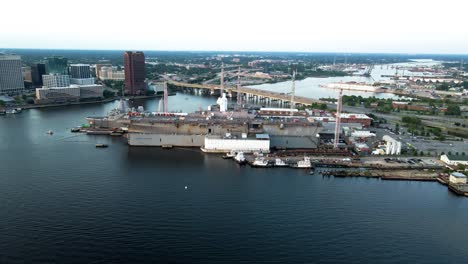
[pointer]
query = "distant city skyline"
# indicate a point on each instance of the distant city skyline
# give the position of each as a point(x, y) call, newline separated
point(360, 26)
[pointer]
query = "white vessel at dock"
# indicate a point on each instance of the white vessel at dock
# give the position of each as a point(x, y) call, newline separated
point(280, 163)
point(260, 162)
point(355, 86)
point(240, 158)
point(304, 164)
point(230, 155)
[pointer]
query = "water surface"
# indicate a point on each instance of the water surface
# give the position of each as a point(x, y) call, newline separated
point(64, 201)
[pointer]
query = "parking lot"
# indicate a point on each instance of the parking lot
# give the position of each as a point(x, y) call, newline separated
point(424, 144)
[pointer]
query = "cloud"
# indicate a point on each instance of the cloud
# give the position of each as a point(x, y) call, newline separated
point(293, 25)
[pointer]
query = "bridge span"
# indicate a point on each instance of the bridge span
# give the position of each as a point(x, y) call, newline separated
point(249, 92)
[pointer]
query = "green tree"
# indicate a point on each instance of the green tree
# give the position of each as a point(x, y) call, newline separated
point(397, 128)
point(2, 103)
point(443, 87)
point(108, 94)
point(453, 110)
point(18, 99)
point(411, 120)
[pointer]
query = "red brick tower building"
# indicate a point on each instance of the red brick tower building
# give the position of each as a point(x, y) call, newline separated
point(134, 63)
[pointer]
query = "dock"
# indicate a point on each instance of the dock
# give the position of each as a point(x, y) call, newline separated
point(393, 175)
point(458, 189)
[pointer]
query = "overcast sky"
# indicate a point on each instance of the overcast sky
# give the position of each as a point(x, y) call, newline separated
point(402, 26)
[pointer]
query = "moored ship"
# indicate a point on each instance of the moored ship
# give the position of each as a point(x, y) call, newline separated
point(357, 86)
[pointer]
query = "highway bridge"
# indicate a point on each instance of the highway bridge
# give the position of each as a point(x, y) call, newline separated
point(250, 93)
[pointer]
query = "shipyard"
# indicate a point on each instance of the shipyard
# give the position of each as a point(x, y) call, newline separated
point(268, 129)
point(267, 137)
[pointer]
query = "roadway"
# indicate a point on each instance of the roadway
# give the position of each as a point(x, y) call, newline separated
point(250, 91)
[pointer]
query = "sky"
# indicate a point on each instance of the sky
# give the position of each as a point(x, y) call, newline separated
point(374, 26)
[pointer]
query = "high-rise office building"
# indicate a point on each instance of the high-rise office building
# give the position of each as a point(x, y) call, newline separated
point(55, 80)
point(81, 74)
point(80, 71)
point(134, 63)
point(37, 70)
point(57, 65)
point(11, 75)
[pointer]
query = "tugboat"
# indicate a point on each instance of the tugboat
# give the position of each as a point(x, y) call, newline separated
point(240, 158)
point(303, 164)
point(260, 162)
point(280, 163)
point(101, 145)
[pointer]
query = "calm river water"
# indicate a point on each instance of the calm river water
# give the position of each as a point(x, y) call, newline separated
point(64, 201)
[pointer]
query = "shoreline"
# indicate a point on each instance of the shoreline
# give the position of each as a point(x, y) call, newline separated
point(25, 107)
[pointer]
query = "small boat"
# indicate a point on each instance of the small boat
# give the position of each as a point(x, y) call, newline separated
point(11, 111)
point(50, 132)
point(303, 164)
point(229, 155)
point(2, 112)
point(101, 146)
point(240, 158)
point(312, 171)
point(280, 163)
point(260, 162)
point(75, 129)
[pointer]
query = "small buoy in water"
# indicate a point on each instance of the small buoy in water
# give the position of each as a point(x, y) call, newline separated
point(185, 187)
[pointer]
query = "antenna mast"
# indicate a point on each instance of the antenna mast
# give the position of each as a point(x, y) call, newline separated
point(165, 98)
point(293, 91)
point(222, 78)
point(239, 95)
point(338, 119)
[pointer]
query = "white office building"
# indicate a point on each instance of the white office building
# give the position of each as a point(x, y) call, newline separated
point(218, 144)
point(69, 93)
point(110, 73)
point(11, 75)
point(91, 91)
point(82, 81)
point(58, 93)
point(393, 146)
point(457, 178)
point(454, 160)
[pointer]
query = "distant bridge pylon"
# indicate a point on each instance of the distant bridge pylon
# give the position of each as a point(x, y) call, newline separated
point(250, 92)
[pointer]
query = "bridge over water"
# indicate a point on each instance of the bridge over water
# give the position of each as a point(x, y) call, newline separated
point(248, 92)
